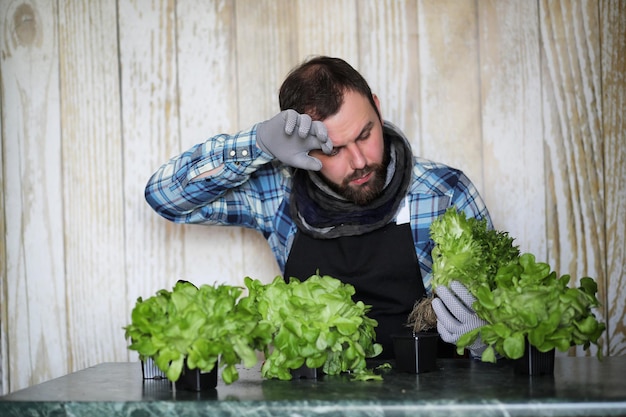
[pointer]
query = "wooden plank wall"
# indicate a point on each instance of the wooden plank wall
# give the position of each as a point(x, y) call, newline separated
point(527, 97)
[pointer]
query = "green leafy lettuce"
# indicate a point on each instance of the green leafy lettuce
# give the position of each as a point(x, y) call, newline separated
point(315, 323)
point(198, 325)
point(521, 299)
point(467, 250)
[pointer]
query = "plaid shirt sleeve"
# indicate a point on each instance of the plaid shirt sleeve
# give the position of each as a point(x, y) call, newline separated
point(245, 190)
point(434, 189)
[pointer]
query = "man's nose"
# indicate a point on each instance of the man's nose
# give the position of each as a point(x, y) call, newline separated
point(357, 159)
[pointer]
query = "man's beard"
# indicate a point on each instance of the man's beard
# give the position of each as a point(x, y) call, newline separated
point(365, 193)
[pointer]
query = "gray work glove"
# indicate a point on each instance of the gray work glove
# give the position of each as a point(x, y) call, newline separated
point(279, 137)
point(455, 315)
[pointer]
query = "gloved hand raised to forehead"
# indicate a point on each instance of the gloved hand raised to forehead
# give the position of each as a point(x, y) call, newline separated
point(289, 136)
point(455, 315)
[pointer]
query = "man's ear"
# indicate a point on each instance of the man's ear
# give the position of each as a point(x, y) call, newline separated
point(377, 102)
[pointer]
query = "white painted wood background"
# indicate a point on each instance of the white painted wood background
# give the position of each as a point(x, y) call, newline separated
point(527, 97)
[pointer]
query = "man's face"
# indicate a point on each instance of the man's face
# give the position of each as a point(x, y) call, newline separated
point(355, 167)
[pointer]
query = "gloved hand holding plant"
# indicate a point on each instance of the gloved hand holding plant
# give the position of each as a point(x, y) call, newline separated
point(515, 298)
point(456, 317)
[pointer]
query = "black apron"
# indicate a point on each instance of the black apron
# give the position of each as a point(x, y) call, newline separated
point(381, 265)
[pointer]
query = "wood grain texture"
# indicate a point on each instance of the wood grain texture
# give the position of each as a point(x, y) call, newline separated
point(512, 141)
point(327, 27)
point(450, 93)
point(526, 97)
point(93, 193)
point(266, 48)
point(573, 134)
point(613, 24)
point(34, 288)
point(389, 60)
point(4, 326)
point(150, 120)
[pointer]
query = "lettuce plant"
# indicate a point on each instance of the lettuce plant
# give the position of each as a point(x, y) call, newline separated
point(521, 299)
point(314, 323)
point(199, 326)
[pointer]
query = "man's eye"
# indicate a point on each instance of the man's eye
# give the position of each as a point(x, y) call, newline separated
point(334, 152)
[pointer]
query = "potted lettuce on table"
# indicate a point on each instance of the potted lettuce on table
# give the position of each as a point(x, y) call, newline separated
point(189, 331)
point(526, 305)
point(315, 325)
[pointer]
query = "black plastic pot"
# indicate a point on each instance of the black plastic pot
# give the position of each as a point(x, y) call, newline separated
point(149, 370)
point(416, 352)
point(196, 380)
point(304, 372)
point(535, 362)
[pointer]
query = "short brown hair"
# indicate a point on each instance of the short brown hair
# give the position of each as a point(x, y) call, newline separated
point(316, 87)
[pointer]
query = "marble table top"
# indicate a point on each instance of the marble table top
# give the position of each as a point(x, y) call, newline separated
point(580, 386)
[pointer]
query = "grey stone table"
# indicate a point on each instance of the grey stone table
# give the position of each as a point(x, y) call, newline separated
point(579, 387)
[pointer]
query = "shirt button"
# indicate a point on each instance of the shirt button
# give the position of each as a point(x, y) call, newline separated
point(232, 153)
point(244, 152)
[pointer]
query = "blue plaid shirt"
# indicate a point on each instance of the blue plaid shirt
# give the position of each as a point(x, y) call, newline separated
point(252, 190)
